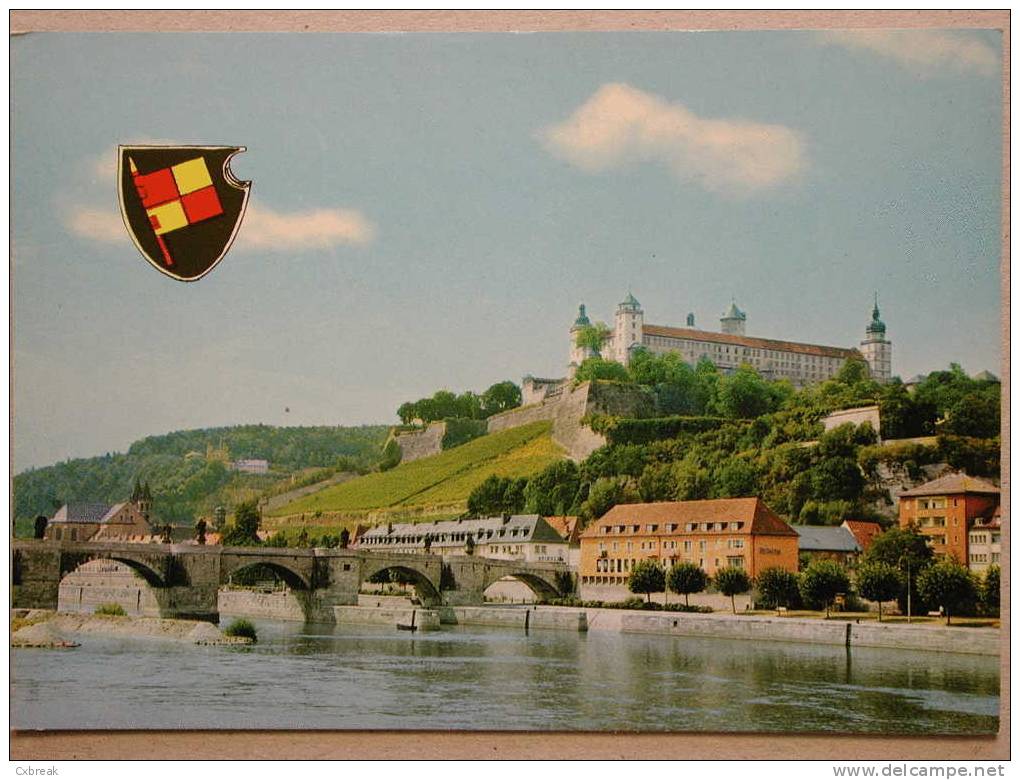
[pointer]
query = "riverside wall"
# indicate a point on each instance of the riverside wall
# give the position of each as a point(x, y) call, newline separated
point(422, 619)
point(971, 641)
point(561, 619)
point(277, 605)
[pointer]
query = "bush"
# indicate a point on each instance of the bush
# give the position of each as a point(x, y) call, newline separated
point(391, 455)
point(460, 430)
point(619, 430)
point(242, 628)
point(110, 609)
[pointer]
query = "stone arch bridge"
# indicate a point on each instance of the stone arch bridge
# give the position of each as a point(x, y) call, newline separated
point(186, 578)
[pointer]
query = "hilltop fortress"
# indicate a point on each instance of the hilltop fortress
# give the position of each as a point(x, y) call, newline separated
point(727, 348)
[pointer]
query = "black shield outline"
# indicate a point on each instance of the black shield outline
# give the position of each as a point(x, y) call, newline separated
point(243, 186)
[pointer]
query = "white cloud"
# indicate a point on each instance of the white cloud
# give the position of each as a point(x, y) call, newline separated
point(97, 224)
point(620, 125)
point(923, 50)
point(262, 228)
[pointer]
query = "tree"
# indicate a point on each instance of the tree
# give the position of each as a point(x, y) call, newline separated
point(345, 539)
point(977, 414)
point(500, 397)
point(731, 581)
point(302, 538)
point(603, 496)
point(40, 527)
point(822, 581)
point(687, 578)
point(391, 455)
point(593, 336)
point(646, 577)
point(879, 582)
point(777, 588)
point(200, 531)
point(737, 478)
point(407, 412)
point(596, 368)
point(908, 551)
point(552, 490)
point(744, 394)
point(949, 585)
point(990, 589)
point(245, 530)
point(497, 496)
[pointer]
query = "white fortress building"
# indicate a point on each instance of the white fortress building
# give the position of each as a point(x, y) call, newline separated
point(727, 348)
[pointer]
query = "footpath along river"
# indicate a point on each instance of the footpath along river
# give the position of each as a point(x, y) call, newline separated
point(372, 677)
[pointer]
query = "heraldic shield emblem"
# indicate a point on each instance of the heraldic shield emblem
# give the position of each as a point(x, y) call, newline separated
point(181, 205)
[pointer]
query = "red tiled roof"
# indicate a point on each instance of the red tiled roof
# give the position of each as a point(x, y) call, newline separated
point(864, 531)
point(757, 518)
point(957, 482)
point(749, 341)
point(565, 526)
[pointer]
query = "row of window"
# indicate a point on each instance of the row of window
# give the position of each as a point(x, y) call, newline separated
point(452, 537)
point(984, 557)
point(624, 565)
point(984, 538)
point(671, 544)
point(669, 528)
point(780, 355)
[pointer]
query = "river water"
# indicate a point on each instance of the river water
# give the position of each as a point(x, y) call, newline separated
point(367, 677)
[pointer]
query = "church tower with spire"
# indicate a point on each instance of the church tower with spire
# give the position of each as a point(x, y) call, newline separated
point(876, 348)
point(578, 354)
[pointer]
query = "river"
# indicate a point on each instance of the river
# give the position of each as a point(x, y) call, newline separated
point(367, 677)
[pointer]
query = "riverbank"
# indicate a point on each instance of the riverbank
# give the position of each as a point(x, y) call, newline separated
point(53, 630)
point(755, 628)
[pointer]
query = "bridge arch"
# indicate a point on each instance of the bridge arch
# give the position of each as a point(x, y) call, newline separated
point(542, 586)
point(289, 570)
point(105, 580)
point(426, 590)
point(71, 562)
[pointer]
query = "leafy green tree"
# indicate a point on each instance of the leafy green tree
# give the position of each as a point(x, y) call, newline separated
point(692, 482)
point(777, 588)
point(687, 578)
point(990, 590)
point(745, 394)
point(737, 478)
point(949, 585)
point(552, 490)
point(976, 414)
point(879, 582)
point(731, 581)
point(646, 577)
point(597, 368)
point(500, 397)
point(408, 412)
point(604, 495)
point(657, 482)
point(497, 496)
point(821, 582)
point(593, 336)
point(854, 371)
point(245, 530)
point(391, 455)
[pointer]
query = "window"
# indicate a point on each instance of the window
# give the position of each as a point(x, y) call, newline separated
point(736, 544)
point(687, 547)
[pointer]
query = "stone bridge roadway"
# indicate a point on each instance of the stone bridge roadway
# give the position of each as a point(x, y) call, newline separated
point(186, 577)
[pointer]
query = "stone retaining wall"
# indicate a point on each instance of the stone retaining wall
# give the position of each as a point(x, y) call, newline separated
point(421, 444)
point(278, 605)
point(562, 619)
point(424, 619)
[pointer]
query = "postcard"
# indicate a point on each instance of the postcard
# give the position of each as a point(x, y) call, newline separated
point(566, 381)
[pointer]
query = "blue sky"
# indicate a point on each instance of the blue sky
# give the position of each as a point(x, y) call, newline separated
point(427, 211)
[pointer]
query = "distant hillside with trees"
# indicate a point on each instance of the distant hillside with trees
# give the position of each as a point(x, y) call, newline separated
point(188, 471)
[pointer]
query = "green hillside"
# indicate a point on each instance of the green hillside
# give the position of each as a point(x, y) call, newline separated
point(443, 480)
point(187, 480)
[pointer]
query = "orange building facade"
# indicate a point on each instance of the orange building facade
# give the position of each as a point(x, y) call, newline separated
point(713, 534)
point(945, 510)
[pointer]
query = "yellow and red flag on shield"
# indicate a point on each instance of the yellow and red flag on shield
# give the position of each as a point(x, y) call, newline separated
point(182, 206)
